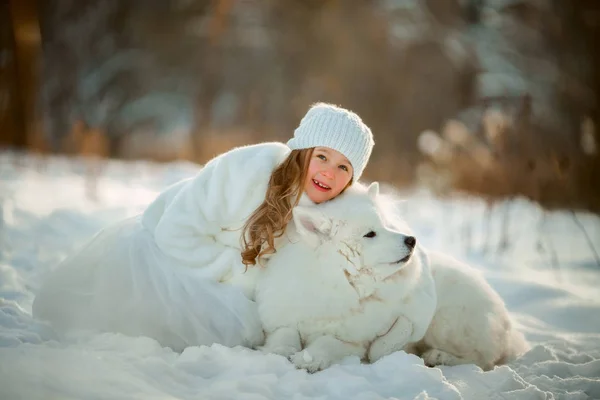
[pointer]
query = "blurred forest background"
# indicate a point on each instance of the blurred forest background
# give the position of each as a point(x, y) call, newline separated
point(493, 97)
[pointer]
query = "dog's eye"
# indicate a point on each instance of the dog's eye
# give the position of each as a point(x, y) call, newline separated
point(371, 234)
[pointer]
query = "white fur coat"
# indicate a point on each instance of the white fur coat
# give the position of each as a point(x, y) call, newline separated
point(157, 274)
point(197, 221)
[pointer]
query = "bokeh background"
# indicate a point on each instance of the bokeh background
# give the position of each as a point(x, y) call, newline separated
point(497, 98)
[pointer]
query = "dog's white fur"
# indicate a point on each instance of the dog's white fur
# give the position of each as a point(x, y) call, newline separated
point(471, 323)
point(336, 293)
point(333, 292)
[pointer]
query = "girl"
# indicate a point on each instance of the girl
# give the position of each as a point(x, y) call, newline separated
point(174, 273)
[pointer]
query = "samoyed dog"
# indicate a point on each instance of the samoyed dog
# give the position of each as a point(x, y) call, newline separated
point(349, 282)
point(471, 324)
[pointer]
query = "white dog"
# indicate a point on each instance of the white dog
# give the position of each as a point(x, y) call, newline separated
point(347, 283)
point(471, 323)
point(333, 290)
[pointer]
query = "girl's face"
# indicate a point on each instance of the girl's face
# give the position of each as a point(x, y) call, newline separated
point(329, 172)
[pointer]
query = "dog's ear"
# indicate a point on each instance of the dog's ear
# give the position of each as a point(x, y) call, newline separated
point(373, 190)
point(311, 224)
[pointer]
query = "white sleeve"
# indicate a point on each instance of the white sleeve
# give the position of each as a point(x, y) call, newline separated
point(220, 193)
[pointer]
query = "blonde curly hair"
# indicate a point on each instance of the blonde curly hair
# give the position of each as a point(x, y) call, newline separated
point(270, 219)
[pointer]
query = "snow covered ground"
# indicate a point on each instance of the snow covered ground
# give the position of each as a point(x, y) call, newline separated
point(547, 273)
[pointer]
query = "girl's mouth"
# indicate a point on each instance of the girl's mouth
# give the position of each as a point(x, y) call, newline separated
point(320, 186)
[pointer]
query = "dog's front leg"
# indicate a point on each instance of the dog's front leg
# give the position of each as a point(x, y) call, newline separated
point(393, 340)
point(283, 341)
point(324, 351)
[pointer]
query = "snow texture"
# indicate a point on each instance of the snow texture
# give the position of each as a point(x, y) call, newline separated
point(542, 265)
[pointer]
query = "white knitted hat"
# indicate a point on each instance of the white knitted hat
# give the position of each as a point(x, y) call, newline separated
point(326, 125)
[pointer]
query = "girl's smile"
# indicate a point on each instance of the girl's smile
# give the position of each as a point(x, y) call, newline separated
point(329, 172)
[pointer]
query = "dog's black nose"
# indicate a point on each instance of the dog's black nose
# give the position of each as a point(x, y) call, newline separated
point(410, 241)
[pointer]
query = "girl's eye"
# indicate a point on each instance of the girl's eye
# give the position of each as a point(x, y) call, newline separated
point(344, 168)
point(322, 157)
point(371, 234)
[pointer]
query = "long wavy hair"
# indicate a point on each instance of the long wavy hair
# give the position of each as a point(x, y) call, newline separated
point(270, 219)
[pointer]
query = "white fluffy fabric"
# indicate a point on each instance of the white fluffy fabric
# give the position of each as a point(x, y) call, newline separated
point(157, 274)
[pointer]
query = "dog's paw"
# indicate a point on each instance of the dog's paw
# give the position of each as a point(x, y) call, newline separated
point(435, 357)
point(385, 345)
point(285, 351)
point(310, 362)
point(254, 338)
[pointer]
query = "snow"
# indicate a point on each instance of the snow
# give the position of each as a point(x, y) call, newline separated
point(540, 262)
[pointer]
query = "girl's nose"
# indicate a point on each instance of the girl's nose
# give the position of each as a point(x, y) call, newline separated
point(327, 173)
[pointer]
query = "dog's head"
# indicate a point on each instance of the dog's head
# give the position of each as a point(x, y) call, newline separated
point(358, 229)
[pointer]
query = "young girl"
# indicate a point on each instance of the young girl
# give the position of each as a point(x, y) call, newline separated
point(174, 273)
